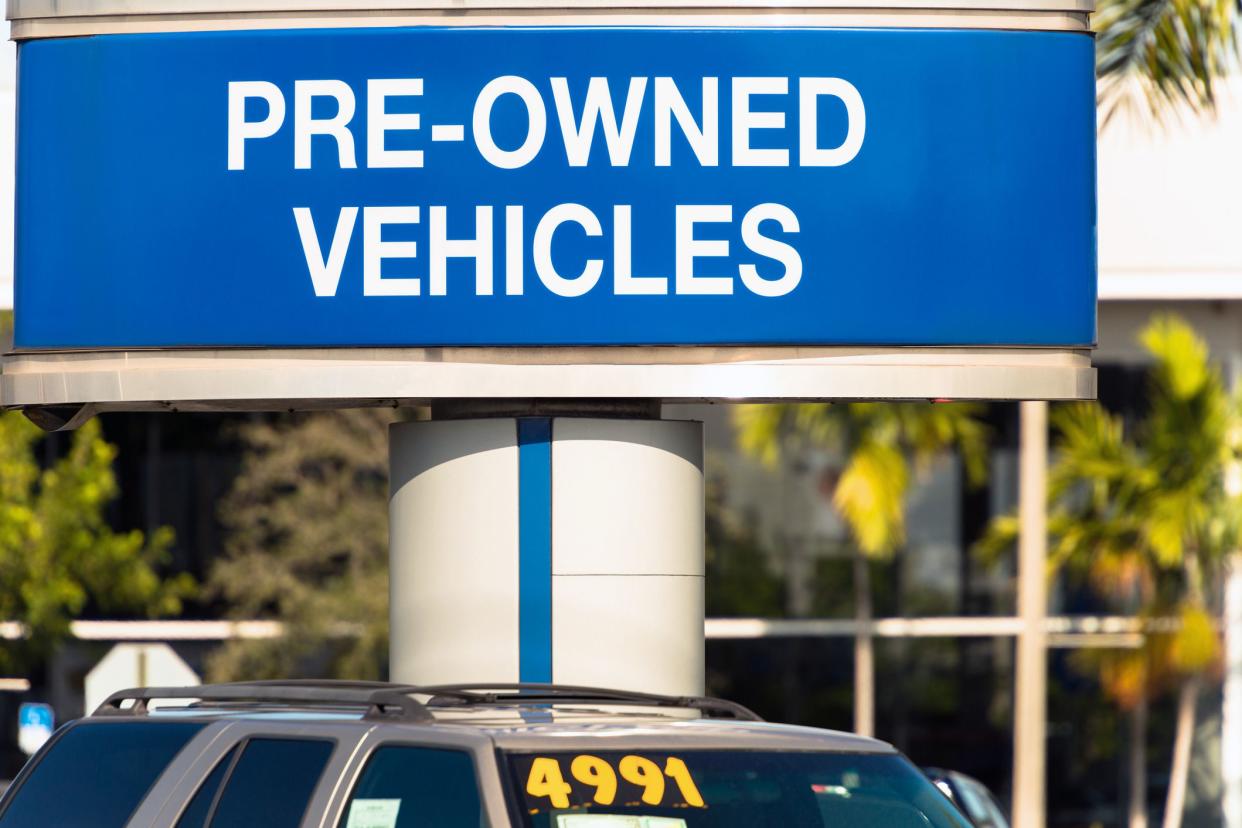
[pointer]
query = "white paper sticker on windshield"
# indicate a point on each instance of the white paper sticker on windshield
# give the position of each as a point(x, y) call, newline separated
point(373, 813)
point(616, 821)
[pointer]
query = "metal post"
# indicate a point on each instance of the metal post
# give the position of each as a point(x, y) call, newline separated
point(864, 650)
point(1030, 690)
point(1138, 764)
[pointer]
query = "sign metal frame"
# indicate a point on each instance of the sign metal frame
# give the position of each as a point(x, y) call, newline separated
point(236, 380)
point(291, 378)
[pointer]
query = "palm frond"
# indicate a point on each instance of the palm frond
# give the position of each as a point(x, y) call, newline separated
point(872, 443)
point(1170, 53)
point(871, 497)
point(760, 430)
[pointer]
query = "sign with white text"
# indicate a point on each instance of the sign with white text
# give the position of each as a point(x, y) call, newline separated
point(574, 186)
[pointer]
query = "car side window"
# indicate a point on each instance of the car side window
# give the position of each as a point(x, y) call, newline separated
point(195, 816)
point(95, 774)
point(269, 784)
point(403, 786)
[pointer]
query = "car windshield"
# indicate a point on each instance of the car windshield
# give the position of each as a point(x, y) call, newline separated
point(725, 789)
point(980, 804)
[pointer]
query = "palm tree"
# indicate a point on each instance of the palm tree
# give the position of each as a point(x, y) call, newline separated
point(1149, 520)
point(873, 445)
point(1166, 55)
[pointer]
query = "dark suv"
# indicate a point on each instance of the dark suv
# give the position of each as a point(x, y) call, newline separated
point(371, 755)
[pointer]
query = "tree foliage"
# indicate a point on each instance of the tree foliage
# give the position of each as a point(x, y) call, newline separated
point(1167, 55)
point(58, 555)
point(874, 444)
point(307, 523)
point(1146, 515)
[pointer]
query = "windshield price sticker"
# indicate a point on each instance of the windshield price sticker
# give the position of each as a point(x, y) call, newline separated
point(571, 781)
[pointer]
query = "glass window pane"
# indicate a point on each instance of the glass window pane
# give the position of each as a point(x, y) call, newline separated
point(411, 787)
point(96, 774)
point(195, 816)
point(983, 809)
point(271, 784)
point(725, 789)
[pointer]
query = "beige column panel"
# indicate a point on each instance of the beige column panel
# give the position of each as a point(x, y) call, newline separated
point(453, 516)
point(627, 554)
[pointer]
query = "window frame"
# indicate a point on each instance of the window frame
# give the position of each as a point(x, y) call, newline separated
point(230, 757)
point(238, 752)
point(480, 749)
point(374, 750)
point(227, 734)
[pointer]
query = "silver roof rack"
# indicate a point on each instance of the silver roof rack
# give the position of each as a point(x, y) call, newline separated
point(384, 700)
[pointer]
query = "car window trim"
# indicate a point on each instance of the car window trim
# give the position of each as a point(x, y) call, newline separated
point(233, 756)
point(513, 799)
point(366, 759)
point(480, 746)
point(240, 746)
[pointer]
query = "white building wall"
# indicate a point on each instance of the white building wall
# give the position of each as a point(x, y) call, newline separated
point(1170, 205)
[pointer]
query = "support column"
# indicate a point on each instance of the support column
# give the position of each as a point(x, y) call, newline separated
point(548, 548)
point(1031, 681)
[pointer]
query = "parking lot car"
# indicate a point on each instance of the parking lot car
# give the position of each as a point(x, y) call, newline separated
point(971, 795)
point(373, 755)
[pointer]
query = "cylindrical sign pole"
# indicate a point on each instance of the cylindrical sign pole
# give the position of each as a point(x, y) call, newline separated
point(548, 549)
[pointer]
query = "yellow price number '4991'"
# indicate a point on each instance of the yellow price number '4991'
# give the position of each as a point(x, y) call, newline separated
point(599, 777)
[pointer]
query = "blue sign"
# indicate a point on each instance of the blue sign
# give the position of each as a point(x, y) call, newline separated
point(35, 723)
point(578, 186)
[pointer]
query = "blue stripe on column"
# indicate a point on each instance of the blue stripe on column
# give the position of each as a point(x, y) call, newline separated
point(535, 549)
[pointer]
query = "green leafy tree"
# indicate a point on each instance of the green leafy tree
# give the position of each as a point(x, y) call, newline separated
point(872, 447)
point(307, 523)
point(1167, 55)
point(58, 555)
point(1147, 518)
